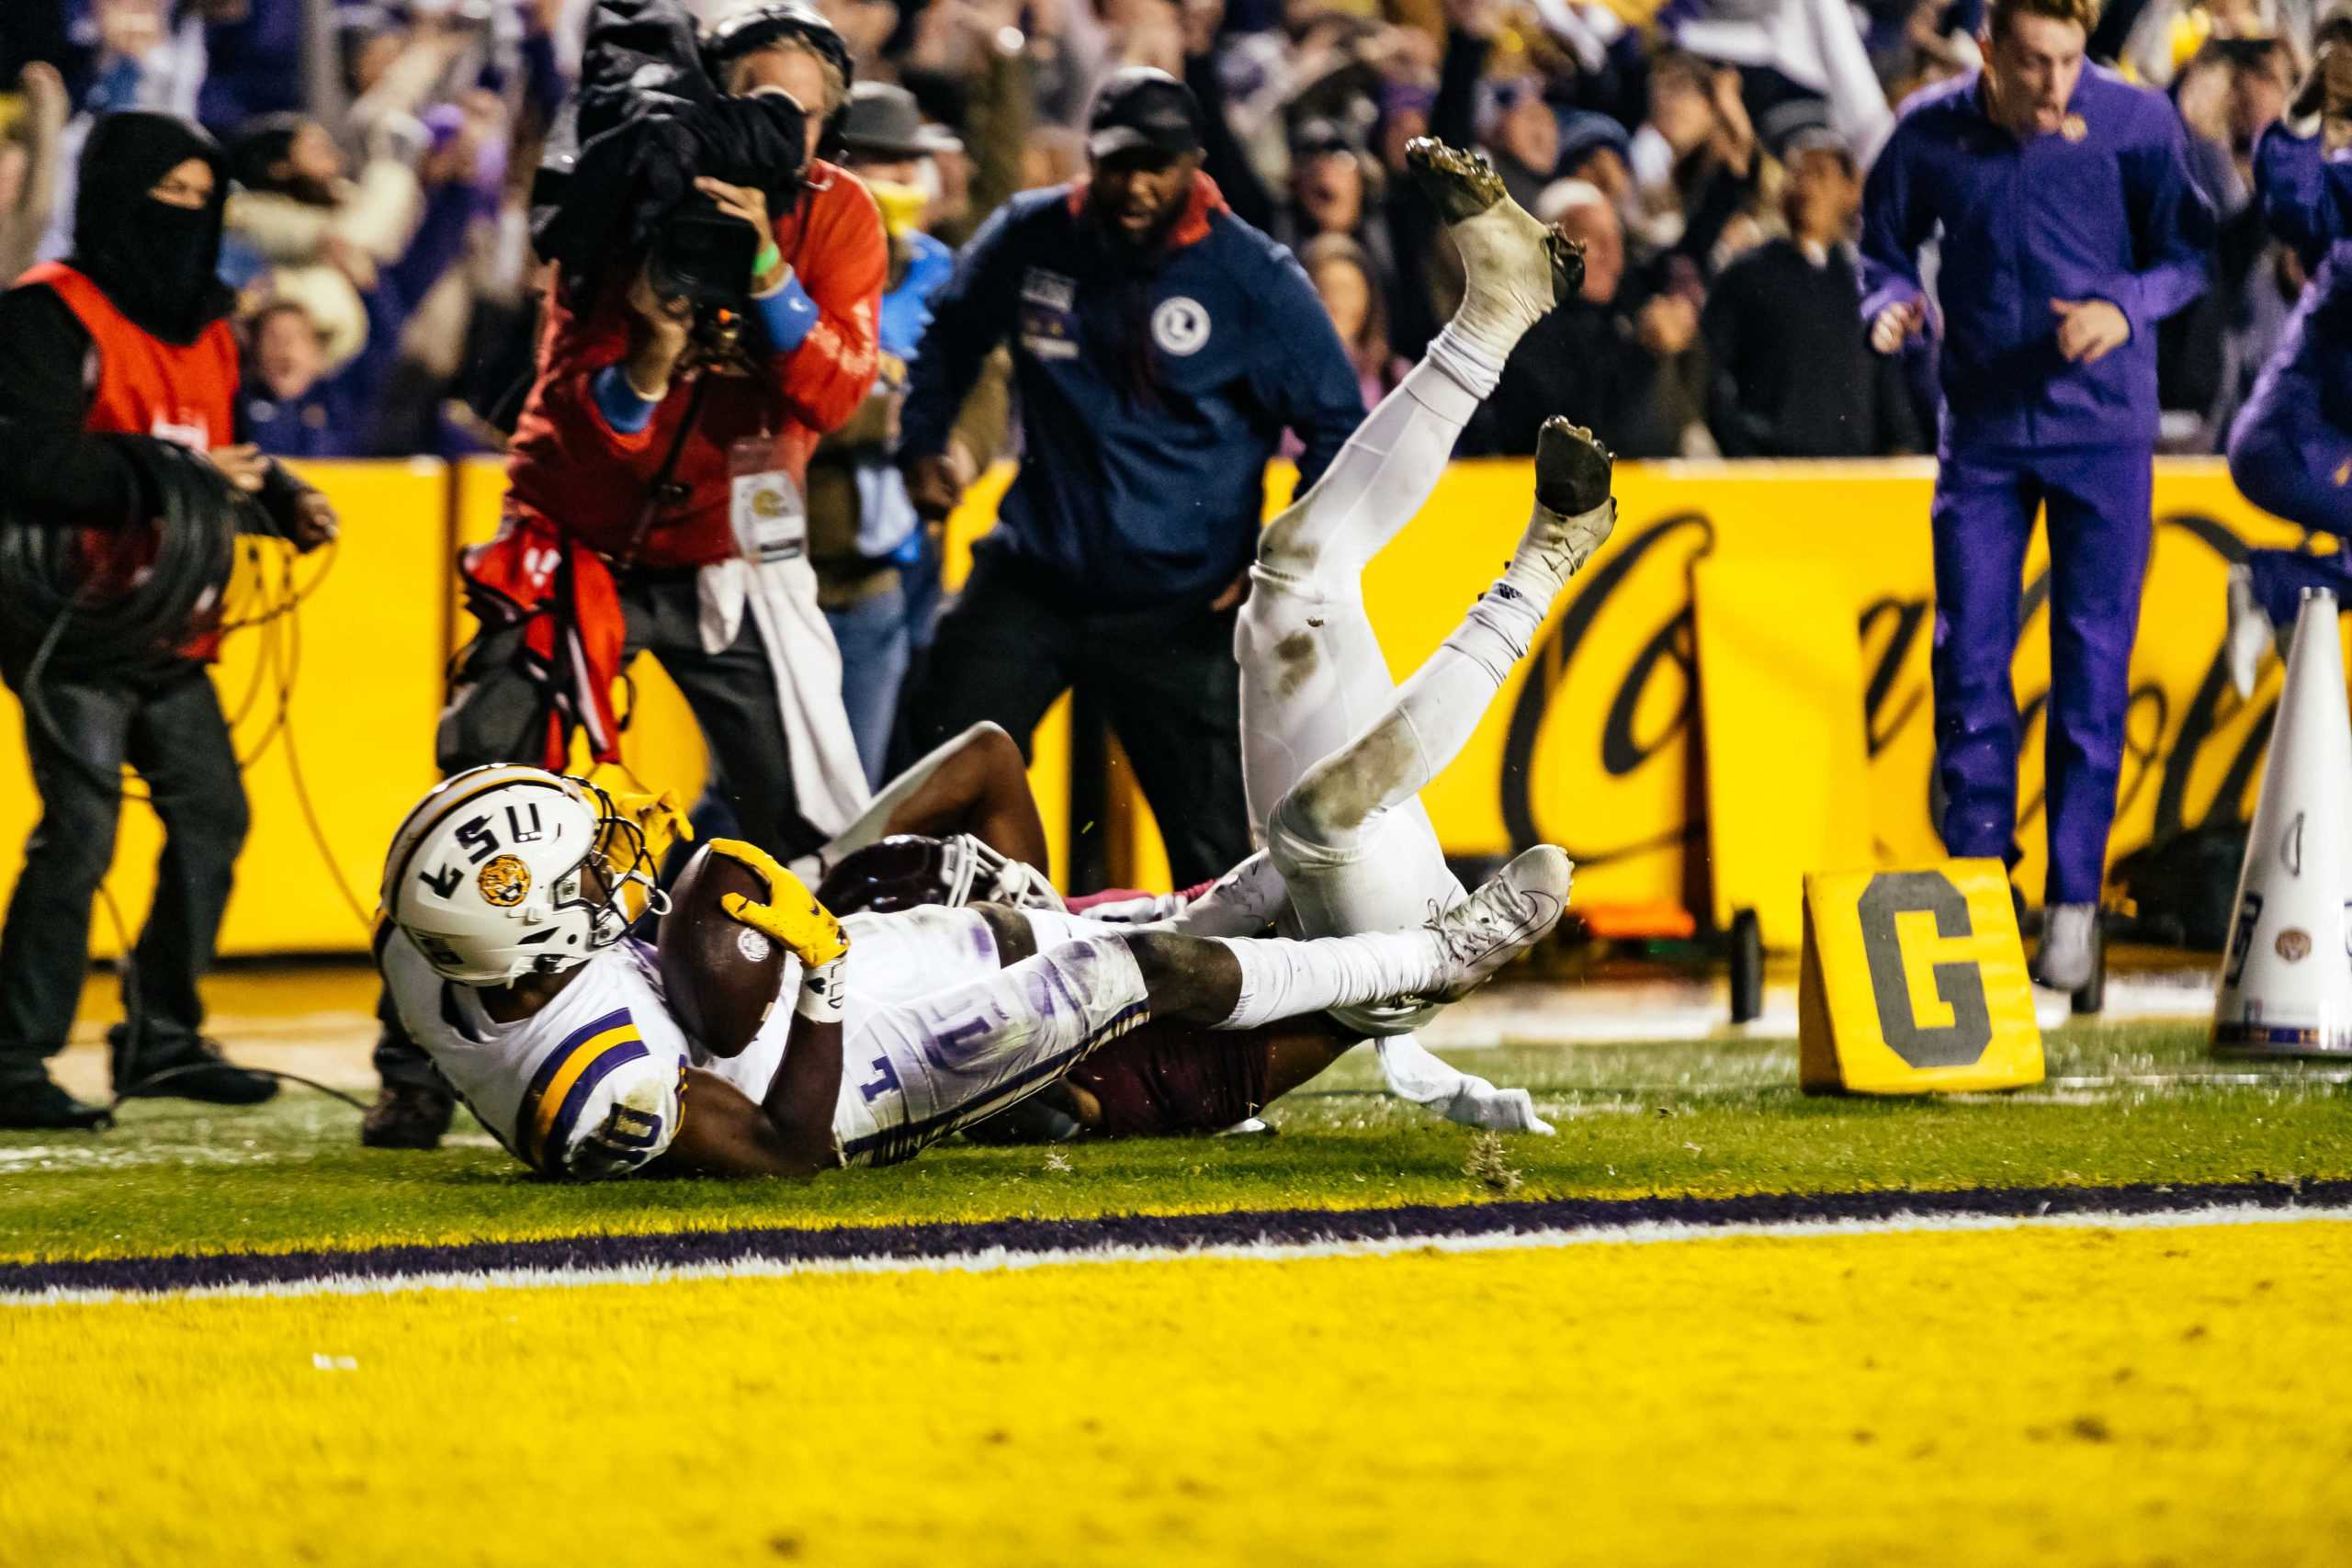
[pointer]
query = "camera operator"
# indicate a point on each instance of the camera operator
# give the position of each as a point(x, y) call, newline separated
point(126, 341)
point(657, 475)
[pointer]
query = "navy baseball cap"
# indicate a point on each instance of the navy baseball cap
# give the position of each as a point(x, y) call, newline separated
point(1141, 107)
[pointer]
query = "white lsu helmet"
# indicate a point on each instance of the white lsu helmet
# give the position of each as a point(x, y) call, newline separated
point(488, 876)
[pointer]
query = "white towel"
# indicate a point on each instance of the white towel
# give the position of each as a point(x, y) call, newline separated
point(827, 780)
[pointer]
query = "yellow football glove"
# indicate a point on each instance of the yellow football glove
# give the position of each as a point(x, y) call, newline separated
point(658, 816)
point(791, 914)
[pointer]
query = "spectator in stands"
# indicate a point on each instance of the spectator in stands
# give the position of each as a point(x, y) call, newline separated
point(299, 402)
point(1793, 379)
point(1519, 130)
point(322, 235)
point(2209, 353)
point(1622, 358)
point(1594, 149)
point(865, 539)
point(2051, 285)
point(1343, 280)
point(30, 161)
point(1694, 159)
point(1160, 347)
point(1335, 190)
point(138, 59)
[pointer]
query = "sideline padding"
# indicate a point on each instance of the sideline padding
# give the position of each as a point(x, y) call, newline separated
point(29, 1283)
point(1591, 744)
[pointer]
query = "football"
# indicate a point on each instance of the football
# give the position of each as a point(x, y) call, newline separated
point(721, 978)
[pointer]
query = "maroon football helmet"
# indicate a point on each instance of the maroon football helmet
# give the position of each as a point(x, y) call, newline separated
point(908, 869)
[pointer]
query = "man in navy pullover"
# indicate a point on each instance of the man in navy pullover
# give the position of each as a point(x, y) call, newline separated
point(2069, 229)
point(1160, 348)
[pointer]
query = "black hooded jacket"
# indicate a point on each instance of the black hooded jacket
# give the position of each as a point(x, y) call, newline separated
point(158, 265)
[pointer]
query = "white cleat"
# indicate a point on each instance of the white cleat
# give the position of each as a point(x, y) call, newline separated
point(2250, 632)
point(2066, 958)
point(1515, 909)
point(1515, 267)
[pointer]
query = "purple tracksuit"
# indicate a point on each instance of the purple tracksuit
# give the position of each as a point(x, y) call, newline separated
point(2101, 209)
point(2290, 450)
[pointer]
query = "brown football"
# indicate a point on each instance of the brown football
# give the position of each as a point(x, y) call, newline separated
point(721, 976)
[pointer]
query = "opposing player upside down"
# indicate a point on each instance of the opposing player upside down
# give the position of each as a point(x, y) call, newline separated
point(510, 891)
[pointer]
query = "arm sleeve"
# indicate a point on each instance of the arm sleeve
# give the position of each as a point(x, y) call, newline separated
point(1453, 117)
point(840, 267)
point(1003, 106)
point(1895, 222)
point(281, 492)
point(2299, 198)
point(986, 421)
point(56, 470)
point(2173, 229)
point(1301, 371)
point(1223, 158)
point(1736, 432)
point(968, 318)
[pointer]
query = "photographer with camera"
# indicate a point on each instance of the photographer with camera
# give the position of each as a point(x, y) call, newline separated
point(714, 314)
point(125, 487)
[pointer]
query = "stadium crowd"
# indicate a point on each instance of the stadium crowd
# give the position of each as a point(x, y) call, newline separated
point(1705, 151)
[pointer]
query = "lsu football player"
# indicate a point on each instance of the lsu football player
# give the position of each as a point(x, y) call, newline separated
point(509, 892)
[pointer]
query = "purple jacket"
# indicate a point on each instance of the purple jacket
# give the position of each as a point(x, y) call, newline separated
point(2100, 210)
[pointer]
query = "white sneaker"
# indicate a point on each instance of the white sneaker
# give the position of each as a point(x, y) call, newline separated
point(1516, 908)
point(2068, 953)
point(2250, 631)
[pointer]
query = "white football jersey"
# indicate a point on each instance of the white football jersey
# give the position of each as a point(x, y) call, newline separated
point(935, 1036)
point(589, 1084)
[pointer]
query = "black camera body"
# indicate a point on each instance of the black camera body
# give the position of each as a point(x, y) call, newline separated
point(703, 255)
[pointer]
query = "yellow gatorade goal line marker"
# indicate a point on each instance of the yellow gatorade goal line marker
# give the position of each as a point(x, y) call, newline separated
point(1914, 982)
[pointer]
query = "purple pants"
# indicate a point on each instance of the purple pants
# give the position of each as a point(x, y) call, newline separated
point(2099, 528)
point(2287, 458)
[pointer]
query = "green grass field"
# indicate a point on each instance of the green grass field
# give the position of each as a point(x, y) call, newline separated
point(2107, 1387)
point(2124, 1103)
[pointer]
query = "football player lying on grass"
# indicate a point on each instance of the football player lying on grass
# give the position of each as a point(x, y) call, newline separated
point(509, 894)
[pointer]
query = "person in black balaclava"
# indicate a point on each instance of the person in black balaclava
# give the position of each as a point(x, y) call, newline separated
point(121, 347)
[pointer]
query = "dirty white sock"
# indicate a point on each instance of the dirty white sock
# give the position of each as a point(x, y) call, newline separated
point(1290, 979)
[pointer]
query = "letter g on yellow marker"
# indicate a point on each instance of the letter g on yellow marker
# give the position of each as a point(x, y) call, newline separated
point(1914, 982)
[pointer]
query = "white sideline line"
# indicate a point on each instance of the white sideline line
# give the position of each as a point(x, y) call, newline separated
point(989, 1261)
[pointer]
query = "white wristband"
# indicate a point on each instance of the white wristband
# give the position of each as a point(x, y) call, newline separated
point(823, 994)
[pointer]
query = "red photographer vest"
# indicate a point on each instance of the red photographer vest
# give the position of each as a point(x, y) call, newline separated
point(183, 393)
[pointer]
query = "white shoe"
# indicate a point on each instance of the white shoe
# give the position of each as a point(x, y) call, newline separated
point(2068, 950)
point(1515, 269)
point(2250, 631)
point(1516, 908)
